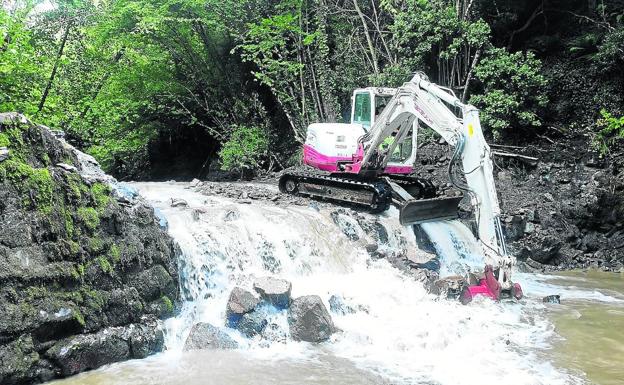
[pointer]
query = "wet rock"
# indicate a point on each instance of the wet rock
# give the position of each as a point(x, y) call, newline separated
point(176, 202)
point(547, 249)
point(253, 323)
point(206, 336)
point(309, 320)
point(4, 153)
point(240, 302)
point(89, 351)
point(342, 306)
point(67, 167)
point(195, 182)
point(451, 287)
point(552, 299)
point(274, 291)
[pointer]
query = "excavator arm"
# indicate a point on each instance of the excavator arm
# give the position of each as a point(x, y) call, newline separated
point(420, 101)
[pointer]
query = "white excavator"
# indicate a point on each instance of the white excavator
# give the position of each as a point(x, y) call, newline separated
point(370, 162)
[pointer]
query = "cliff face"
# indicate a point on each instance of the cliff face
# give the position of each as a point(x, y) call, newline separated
point(85, 269)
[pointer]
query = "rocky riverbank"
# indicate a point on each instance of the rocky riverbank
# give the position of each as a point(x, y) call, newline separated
point(86, 272)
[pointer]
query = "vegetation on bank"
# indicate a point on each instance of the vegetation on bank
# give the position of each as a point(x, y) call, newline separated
point(135, 82)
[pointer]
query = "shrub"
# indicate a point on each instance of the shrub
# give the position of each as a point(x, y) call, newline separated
point(513, 90)
point(246, 148)
point(611, 129)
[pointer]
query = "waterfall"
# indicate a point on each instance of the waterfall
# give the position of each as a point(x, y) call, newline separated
point(397, 331)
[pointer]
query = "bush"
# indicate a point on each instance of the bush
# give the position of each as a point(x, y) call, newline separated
point(611, 129)
point(513, 90)
point(246, 148)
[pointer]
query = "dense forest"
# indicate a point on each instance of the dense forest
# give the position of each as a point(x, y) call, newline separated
point(162, 88)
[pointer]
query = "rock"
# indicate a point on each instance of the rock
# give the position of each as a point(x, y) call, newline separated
point(451, 287)
point(547, 249)
point(89, 351)
point(309, 320)
point(371, 248)
point(195, 182)
point(552, 299)
point(252, 324)
point(205, 336)
point(67, 167)
point(4, 153)
point(340, 305)
point(176, 202)
point(84, 265)
point(274, 291)
point(240, 302)
point(549, 197)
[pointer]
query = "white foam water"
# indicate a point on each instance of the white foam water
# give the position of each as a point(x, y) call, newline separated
point(400, 332)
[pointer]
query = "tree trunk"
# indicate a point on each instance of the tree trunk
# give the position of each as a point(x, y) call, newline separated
point(46, 91)
point(369, 41)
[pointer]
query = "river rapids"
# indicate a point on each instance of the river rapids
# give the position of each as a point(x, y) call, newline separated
point(399, 334)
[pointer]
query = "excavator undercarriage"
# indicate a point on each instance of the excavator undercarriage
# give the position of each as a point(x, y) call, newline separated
point(416, 198)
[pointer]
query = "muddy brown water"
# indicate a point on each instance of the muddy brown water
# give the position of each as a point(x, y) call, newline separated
point(589, 324)
point(592, 331)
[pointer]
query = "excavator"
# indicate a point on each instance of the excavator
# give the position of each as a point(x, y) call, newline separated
point(371, 162)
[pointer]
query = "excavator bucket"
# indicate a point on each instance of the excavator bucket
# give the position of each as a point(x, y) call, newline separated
point(418, 211)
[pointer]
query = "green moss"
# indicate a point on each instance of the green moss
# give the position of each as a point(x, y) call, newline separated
point(81, 269)
point(96, 245)
point(35, 184)
point(101, 195)
point(69, 223)
point(93, 298)
point(114, 253)
point(167, 303)
point(4, 140)
point(79, 317)
point(74, 182)
point(74, 247)
point(89, 216)
point(105, 265)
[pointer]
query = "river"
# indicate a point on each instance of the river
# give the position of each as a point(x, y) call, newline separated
point(400, 335)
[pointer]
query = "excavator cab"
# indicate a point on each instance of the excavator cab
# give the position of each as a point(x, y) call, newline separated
point(367, 104)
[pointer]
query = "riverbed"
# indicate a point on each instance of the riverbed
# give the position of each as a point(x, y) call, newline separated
point(403, 335)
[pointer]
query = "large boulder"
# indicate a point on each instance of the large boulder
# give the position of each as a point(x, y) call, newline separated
point(81, 264)
point(309, 320)
point(206, 336)
point(240, 302)
point(274, 291)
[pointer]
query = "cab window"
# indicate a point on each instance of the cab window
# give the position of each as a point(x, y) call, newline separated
point(362, 110)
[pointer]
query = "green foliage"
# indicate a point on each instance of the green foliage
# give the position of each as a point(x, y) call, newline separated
point(513, 90)
point(244, 150)
point(611, 130)
point(89, 217)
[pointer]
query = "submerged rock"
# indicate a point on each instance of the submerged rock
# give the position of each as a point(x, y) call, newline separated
point(206, 336)
point(309, 320)
point(177, 202)
point(240, 302)
point(556, 298)
point(274, 291)
point(342, 306)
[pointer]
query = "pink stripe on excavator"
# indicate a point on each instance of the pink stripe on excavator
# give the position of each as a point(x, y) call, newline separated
point(330, 163)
